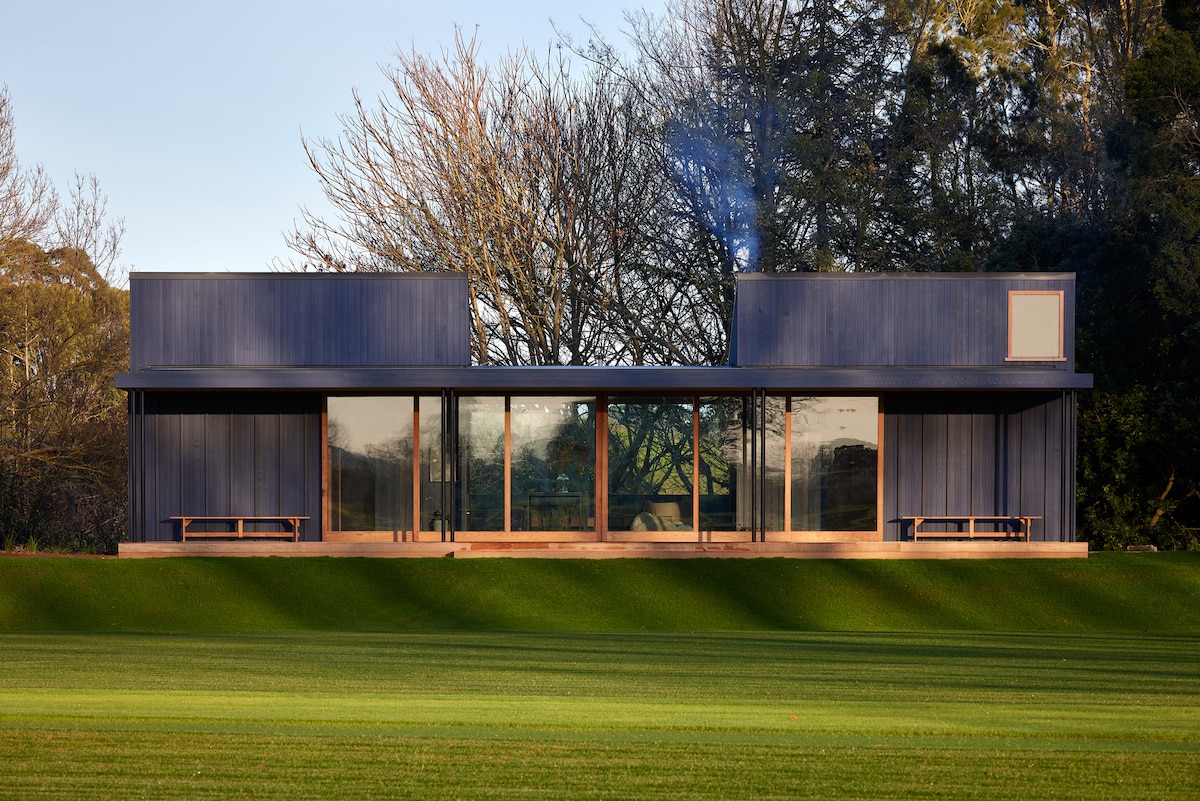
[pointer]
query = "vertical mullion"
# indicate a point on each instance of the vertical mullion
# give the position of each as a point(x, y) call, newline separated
point(449, 450)
point(416, 469)
point(696, 465)
point(762, 489)
point(326, 514)
point(757, 470)
point(508, 465)
point(787, 465)
point(880, 463)
point(601, 477)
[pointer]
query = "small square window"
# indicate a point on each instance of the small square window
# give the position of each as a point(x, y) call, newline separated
point(1035, 326)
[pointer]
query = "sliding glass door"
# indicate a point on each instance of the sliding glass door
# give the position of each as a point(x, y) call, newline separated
point(834, 464)
point(370, 457)
point(673, 467)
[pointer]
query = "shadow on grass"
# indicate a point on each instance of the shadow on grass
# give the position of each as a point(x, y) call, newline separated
point(1115, 593)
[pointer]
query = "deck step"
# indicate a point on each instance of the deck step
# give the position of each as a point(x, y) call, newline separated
point(616, 550)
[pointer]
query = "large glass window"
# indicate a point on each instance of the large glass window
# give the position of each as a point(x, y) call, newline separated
point(775, 463)
point(481, 464)
point(834, 464)
point(553, 463)
point(650, 464)
point(433, 468)
point(674, 464)
point(370, 464)
point(724, 452)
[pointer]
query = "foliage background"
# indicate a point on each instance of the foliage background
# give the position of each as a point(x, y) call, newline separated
point(64, 334)
point(602, 200)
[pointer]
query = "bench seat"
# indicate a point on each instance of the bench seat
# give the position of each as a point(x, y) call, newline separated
point(1019, 526)
point(238, 522)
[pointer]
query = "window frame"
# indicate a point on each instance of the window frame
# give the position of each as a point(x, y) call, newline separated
point(1013, 294)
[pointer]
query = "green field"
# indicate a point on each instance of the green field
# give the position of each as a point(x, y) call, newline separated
point(363, 694)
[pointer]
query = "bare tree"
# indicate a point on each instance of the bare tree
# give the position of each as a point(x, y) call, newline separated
point(27, 198)
point(529, 179)
point(82, 226)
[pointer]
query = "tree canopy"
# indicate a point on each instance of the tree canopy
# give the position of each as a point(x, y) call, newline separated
point(603, 200)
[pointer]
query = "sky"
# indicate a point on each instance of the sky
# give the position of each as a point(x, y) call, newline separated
point(191, 115)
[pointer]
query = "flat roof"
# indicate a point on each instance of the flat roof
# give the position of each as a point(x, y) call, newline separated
point(601, 379)
point(893, 276)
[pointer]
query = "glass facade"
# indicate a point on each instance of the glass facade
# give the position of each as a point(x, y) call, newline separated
point(834, 464)
point(370, 452)
point(651, 442)
point(433, 470)
point(479, 492)
point(706, 465)
point(724, 459)
point(553, 463)
point(776, 463)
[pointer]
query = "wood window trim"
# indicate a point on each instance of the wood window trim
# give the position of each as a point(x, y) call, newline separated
point(1061, 357)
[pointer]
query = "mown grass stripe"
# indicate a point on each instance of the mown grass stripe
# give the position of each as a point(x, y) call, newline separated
point(1153, 593)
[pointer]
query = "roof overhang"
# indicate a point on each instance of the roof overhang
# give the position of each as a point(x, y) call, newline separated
point(600, 379)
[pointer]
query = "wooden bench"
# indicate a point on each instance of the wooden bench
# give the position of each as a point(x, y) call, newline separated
point(238, 522)
point(1021, 526)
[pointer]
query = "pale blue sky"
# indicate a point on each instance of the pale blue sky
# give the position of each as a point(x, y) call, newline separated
point(190, 114)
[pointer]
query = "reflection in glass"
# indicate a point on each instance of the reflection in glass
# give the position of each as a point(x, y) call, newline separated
point(650, 452)
point(553, 463)
point(775, 464)
point(433, 467)
point(724, 450)
point(835, 464)
point(370, 463)
point(480, 505)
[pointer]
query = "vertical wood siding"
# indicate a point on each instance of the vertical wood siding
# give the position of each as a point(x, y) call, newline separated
point(299, 321)
point(980, 453)
point(233, 453)
point(885, 321)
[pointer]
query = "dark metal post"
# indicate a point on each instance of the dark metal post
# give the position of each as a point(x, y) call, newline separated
point(762, 484)
point(449, 462)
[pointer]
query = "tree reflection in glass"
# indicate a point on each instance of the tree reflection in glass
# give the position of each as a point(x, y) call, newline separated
point(480, 505)
point(553, 463)
point(650, 452)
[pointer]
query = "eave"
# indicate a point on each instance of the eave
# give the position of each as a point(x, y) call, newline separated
point(602, 379)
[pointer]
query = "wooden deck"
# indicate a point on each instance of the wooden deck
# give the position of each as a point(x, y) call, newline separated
point(616, 550)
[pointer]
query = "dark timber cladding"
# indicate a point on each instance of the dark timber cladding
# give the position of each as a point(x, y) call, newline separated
point(272, 320)
point(886, 320)
point(218, 454)
point(231, 377)
point(983, 454)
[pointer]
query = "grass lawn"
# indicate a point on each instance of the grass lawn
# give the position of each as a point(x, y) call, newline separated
point(466, 715)
point(630, 679)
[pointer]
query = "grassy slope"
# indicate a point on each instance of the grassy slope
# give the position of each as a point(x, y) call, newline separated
point(1115, 593)
point(396, 679)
